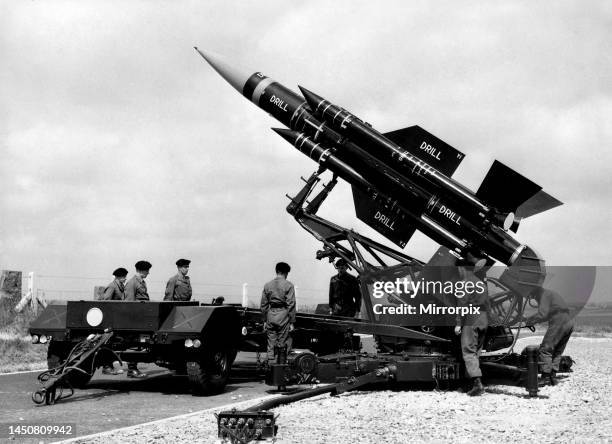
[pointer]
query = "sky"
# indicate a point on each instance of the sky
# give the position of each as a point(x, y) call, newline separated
point(119, 143)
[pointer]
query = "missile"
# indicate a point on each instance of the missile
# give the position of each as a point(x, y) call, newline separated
point(507, 190)
point(395, 189)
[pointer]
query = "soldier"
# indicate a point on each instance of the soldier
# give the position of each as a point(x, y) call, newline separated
point(551, 308)
point(472, 327)
point(178, 287)
point(278, 309)
point(344, 292)
point(115, 291)
point(136, 290)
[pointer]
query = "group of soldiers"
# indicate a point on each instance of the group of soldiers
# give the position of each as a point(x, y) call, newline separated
point(178, 288)
point(278, 309)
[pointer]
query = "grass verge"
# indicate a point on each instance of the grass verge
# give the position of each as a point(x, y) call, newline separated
point(19, 354)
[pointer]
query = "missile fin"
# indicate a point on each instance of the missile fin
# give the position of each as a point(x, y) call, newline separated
point(505, 189)
point(390, 222)
point(428, 148)
point(538, 203)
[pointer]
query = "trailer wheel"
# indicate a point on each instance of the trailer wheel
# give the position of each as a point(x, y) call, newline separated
point(209, 375)
point(57, 354)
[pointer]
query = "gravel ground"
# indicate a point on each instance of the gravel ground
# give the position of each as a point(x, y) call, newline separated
point(578, 409)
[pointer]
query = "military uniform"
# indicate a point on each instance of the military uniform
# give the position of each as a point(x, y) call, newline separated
point(554, 309)
point(473, 326)
point(136, 289)
point(344, 295)
point(278, 309)
point(115, 291)
point(178, 288)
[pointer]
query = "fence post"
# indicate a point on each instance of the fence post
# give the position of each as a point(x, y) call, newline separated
point(245, 295)
point(28, 295)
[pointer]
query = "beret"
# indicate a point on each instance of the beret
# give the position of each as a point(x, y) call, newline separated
point(120, 272)
point(143, 265)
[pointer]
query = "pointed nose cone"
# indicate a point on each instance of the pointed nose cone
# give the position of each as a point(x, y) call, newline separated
point(234, 75)
point(312, 99)
point(289, 135)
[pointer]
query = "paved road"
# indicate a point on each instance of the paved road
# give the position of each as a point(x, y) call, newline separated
point(110, 402)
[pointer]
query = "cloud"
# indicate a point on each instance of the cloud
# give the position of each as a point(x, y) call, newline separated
point(120, 143)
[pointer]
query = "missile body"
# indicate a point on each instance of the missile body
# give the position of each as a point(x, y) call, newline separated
point(367, 160)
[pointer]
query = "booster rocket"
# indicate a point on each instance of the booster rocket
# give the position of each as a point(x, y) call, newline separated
point(401, 180)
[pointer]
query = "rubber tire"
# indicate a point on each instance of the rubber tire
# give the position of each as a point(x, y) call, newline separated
point(56, 354)
point(210, 374)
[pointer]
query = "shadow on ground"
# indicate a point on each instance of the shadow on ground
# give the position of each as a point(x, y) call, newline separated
point(157, 381)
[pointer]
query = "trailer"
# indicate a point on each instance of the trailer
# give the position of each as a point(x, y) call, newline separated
point(200, 341)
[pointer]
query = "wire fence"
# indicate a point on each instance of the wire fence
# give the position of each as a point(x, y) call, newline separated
point(66, 288)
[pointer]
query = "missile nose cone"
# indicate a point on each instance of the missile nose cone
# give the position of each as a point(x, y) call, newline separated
point(312, 99)
point(234, 75)
point(289, 135)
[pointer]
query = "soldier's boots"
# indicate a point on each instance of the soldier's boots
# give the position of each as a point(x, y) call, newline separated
point(135, 373)
point(548, 379)
point(553, 378)
point(477, 388)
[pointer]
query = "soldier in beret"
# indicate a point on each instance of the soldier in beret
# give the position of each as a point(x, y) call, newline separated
point(178, 287)
point(136, 288)
point(115, 291)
